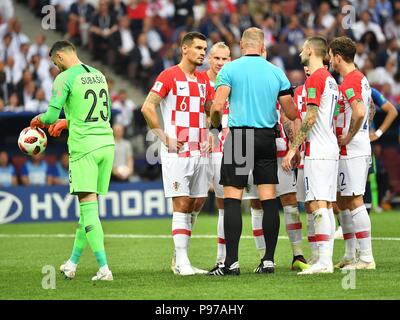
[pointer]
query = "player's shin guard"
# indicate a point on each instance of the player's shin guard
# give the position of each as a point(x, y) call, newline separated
point(181, 234)
point(362, 228)
point(94, 230)
point(311, 237)
point(323, 231)
point(271, 224)
point(79, 243)
point(346, 221)
point(221, 250)
point(256, 223)
point(232, 229)
point(293, 228)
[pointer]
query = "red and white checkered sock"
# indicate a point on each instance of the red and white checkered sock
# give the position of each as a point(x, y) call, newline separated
point(256, 223)
point(221, 249)
point(362, 228)
point(311, 236)
point(293, 228)
point(181, 234)
point(322, 225)
point(346, 222)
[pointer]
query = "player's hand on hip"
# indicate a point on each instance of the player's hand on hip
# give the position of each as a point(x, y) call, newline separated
point(296, 159)
point(56, 128)
point(35, 122)
point(287, 160)
point(343, 140)
point(173, 145)
point(373, 137)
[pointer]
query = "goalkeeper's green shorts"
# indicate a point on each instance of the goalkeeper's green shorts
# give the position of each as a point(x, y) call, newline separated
point(92, 172)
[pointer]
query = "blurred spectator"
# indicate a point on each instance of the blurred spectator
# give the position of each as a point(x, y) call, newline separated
point(372, 9)
point(392, 28)
point(39, 103)
point(40, 68)
point(13, 104)
point(13, 75)
point(123, 44)
point(390, 51)
point(183, 9)
point(80, 17)
point(39, 47)
point(126, 107)
point(246, 21)
point(111, 90)
point(22, 58)
point(8, 176)
point(6, 48)
point(117, 8)
point(293, 35)
point(28, 93)
point(199, 11)
point(62, 10)
point(365, 24)
point(8, 27)
point(327, 19)
point(144, 57)
point(163, 8)
point(47, 84)
point(123, 158)
point(360, 56)
point(36, 171)
point(153, 36)
point(384, 10)
point(102, 27)
point(137, 11)
point(6, 10)
point(59, 175)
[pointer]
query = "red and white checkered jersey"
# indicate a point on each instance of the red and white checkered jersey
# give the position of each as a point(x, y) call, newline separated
point(224, 121)
point(182, 108)
point(300, 101)
point(355, 86)
point(322, 90)
point(282, 143)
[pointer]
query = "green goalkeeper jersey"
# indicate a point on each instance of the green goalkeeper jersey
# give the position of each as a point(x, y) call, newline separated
point(83, 92)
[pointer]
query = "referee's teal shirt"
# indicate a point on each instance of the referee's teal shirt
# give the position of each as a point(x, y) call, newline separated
point(255, 86)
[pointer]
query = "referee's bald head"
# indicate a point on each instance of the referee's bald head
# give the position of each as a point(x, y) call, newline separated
point(252, 38)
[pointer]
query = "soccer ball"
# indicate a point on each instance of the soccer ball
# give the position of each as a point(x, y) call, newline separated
point(32, 141)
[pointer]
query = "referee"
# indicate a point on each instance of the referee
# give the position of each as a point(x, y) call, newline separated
point(253, 87)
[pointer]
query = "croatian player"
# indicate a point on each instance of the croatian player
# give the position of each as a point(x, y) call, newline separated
point(83, 93)
point(183, 95)
point(321, 152)
point(352, 129)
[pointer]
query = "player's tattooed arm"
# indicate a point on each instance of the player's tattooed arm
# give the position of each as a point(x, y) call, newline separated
point(288, 126)
point(149, 111)
point(306, 125)
point(357, 116)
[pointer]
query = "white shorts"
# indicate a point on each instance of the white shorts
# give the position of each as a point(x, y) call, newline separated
point(287, 180)
point(185, 176)
point(300, 190)
point(320, 179)
point(214, 175)
point(353, 175)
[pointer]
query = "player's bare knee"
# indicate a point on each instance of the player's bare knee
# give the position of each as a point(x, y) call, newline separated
point(256, 204)
point(87, 196)
point(288, 199)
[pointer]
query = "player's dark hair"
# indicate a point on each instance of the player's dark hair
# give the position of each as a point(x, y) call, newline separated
point(61, 46)
point(319, 45)
point(190, 36)
point(345, 47)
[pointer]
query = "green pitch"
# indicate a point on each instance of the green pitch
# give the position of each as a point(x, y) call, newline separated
point(140, 259)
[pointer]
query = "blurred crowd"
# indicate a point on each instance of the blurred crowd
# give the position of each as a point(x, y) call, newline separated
point(141, 38)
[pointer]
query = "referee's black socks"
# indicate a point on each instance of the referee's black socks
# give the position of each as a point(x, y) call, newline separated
point(232, 229)
point(270, 224)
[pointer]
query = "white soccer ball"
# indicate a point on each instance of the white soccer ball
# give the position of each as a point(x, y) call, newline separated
point(32, 141)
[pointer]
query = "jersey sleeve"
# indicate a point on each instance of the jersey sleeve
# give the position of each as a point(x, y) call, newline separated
point(60, 92)
point(285, 84)
point(378, 98)
point(352, 89)
point(163, 84)
point(314, 89)
point(223, 78)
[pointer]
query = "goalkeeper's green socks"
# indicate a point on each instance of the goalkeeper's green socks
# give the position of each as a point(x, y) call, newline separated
point(80, 241)
point(94, 230)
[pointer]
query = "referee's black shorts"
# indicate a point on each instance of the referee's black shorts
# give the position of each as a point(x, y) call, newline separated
point(248, 149)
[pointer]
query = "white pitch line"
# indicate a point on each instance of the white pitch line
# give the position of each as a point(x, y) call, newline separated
point(145, 236)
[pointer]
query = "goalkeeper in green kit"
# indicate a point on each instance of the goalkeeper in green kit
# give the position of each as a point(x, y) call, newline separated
point(83, 93)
